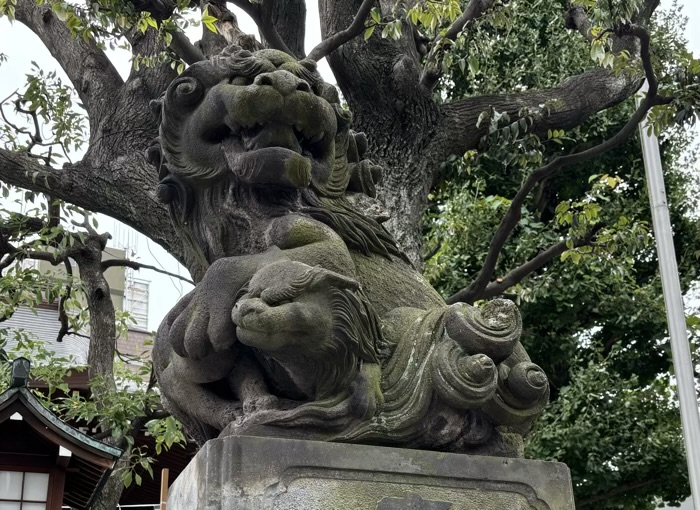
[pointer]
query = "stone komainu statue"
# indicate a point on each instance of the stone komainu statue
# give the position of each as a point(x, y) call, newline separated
point(308, 321)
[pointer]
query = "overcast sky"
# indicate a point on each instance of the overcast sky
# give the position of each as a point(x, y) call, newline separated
point(21, 47)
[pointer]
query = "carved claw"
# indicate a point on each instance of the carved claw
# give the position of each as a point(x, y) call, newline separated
point(493, 330)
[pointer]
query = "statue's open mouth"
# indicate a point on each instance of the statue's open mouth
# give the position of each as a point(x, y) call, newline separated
point(268, 138)
point(299, 139)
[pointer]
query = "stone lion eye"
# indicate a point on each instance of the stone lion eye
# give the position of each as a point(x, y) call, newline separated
point(240, 80)
point(276, 301)
point(317, 89)
point(274, 298)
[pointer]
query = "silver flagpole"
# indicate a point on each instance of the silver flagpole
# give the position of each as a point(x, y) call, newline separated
point(675, 314)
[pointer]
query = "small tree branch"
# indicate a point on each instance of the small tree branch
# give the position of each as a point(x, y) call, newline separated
point(62, 315)
point(620, 489)
point(332, 43)
point(88, 68)
point(521, 272)
point(18, 224)
point(433, 251)
point(432, 71)
point(512, 216)
point(106, 264)
point(85, 223)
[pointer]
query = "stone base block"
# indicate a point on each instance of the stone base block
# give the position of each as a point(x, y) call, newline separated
point(257, 473)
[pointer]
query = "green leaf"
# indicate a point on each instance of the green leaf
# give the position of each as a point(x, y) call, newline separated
point(127, 478)
point(473, 61)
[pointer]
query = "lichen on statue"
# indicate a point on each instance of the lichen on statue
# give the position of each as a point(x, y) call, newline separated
point(308, 321)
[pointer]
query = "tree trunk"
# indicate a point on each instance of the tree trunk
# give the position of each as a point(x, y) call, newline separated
point(108, 499)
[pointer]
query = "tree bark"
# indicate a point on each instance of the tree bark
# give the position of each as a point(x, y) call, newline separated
point(410, 134)
point(108, 499)
point(289, 20)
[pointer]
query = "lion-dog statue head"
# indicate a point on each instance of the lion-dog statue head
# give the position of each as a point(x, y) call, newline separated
point(249, 136)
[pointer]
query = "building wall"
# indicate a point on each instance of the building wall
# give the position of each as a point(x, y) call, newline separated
point(114, 275)
point(43, 323)
point(137, 343)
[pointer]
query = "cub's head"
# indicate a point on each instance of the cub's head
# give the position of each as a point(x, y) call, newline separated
point(292, 311)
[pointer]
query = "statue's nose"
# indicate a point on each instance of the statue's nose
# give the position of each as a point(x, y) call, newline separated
point(246, 306)
point(282, 81)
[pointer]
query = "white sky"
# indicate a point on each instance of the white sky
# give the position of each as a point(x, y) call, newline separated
point(21, 47)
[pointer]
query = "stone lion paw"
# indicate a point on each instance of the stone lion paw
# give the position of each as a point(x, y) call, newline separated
point(229, 414)
point(260, 403)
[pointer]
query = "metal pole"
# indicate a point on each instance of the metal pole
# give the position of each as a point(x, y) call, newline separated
point(675, 314)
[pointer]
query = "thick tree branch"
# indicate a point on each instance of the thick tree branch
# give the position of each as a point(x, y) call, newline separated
point(227, 32)
point(332, 43)
point(512, 216)
point(432, 71)
point(106, 264)
point(19, 169)
point(568, 105)
point(262, 15)
point(145, 82)
point(125, 191)
point(62, 315)
point(289, 21)
point(267, 28)
point(563, 107)
point(576, 19)
point(88, 68)
point(187, 51)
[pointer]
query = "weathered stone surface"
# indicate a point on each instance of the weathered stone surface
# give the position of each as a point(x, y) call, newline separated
point(255, 473)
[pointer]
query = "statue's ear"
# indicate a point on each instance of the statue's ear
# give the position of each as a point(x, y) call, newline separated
point(329, 279)
point(156, 107)
point(272, 255)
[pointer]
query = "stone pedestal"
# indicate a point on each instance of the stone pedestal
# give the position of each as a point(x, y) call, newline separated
point(255, 473)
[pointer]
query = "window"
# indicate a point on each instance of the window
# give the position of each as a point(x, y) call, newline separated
point(23, 491)
point(137, 302)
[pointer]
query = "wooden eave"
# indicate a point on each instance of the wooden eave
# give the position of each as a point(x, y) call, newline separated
point(93, 459)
